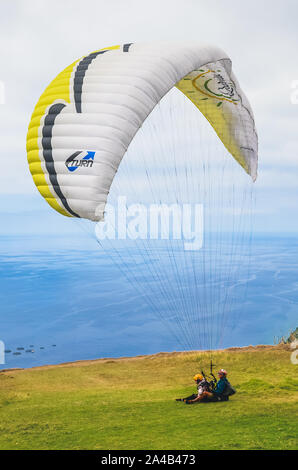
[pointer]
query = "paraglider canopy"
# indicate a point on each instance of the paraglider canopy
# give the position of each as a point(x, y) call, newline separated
point(87, 117)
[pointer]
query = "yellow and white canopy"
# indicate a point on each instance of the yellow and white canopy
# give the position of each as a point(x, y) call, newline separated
point(86, 118)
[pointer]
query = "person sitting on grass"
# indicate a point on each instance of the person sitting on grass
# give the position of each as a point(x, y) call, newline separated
point(216, 394)
point(202, 386)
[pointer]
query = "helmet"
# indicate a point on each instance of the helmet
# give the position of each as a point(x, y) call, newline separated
point(198, 377)
point(222, 371)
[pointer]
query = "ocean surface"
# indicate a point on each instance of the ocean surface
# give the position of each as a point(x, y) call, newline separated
point(64, 299)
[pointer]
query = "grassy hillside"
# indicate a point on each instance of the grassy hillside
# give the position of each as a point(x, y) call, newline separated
point(129, 404)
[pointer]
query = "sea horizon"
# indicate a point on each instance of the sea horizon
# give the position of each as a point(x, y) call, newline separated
point(64, 299)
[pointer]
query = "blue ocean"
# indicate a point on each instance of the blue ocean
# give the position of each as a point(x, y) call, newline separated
point(63, 299)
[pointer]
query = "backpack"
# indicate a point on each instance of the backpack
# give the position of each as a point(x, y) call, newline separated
point(229, 390)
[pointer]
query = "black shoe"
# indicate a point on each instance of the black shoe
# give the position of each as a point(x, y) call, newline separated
point(179, 399)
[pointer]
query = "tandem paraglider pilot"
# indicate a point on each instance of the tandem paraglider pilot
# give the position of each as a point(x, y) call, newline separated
point(211, 391)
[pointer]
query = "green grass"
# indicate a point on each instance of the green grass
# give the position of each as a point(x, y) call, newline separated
point(129, 404)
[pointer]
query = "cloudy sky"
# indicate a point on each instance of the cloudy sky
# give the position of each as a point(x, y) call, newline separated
point(39, 38)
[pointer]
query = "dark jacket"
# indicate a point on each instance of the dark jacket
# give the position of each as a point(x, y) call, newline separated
point(220, 387)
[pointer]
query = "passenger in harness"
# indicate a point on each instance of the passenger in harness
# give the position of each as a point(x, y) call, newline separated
point(221, 392)
point(202, 386)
